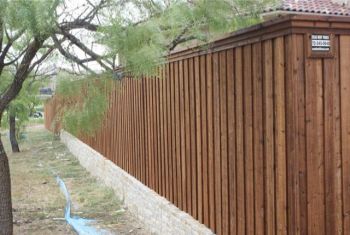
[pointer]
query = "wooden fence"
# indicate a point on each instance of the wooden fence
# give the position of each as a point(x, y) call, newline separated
point(50, 111)
point(251, 136)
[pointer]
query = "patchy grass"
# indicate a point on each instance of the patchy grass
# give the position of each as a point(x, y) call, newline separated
point(37, 201)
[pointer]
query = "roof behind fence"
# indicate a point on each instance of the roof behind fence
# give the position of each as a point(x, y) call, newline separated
point(326, 7)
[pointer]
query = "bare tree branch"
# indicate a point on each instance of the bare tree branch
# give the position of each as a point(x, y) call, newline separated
point(21, 74)
point(16, 58)
point(84, 48)
point(180, 39)
point(78, 24)
point(91, 15)
point(41, 59)
point(7, 48)
point(69, 56)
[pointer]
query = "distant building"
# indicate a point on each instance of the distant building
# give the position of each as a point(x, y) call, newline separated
point(46, 91)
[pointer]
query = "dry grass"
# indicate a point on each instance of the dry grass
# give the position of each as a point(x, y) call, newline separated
point(37, 201)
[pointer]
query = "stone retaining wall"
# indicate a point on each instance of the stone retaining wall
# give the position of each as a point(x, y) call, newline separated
point(158, 214)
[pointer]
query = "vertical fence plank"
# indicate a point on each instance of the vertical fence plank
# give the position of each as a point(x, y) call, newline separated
point(345, 126)
point(231, 122)
point(217, 147)
point(332, 142)
point(268, 102)
point(280, 137)
point(223, 140)
point(182, 137)
point(132, 129)
point(141, 131)
point(162, 130)
point(198, 117)
point(127, 126)
point(248, 139)
point(177, 136)
point(158, 135)
point(203, 90)
point(295, 113)
point(169, 136)
point(193, 137)
point(165, 130)
point(315, 146)
point(188, 139)
point(117, 107)
point(258, 138)
point(241, 213)
point(123, 126)
point(211, 186)
point(147, 132)
point(115, 126)
point(151, 136)
point(173, 145)
point(145, 128)
point(123, 154)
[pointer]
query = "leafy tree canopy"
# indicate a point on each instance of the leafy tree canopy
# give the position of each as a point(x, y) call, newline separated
point(151, 29)
point(37, 17)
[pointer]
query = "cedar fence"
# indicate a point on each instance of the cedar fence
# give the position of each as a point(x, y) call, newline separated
point(250, 136)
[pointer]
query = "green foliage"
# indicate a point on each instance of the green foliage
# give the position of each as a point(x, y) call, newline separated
point(143, 43)
point(36, 17)
point(3, 4)
point(6, 79)
point(23, 106)
point(84, 100)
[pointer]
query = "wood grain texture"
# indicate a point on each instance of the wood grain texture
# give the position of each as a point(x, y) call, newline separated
point(217, 146)
point(332, 150)
point(203, 91)
point(258, 138)
point(231, 138)
point(268, 136)
point(210, 131)
point(224, 144)
point(199, 160)
point(248, 139)
point(239, 115)
point(315, 146)
point(345, 126)
point(192, 100)
point(280, 135)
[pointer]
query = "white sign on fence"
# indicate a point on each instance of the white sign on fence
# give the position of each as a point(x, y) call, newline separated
point(320, 42)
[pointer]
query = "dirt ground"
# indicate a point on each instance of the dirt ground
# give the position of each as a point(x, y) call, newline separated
point(38, 204)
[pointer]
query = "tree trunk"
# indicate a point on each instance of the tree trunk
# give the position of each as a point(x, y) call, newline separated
point(6, 223)
point(13, 139)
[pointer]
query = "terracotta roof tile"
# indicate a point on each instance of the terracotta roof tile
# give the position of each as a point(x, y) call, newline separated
point(311, 6)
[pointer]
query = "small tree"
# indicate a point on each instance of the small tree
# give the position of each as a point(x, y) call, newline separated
point(19, 110)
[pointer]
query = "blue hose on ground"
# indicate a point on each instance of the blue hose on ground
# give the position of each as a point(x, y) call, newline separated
point(80, 225)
